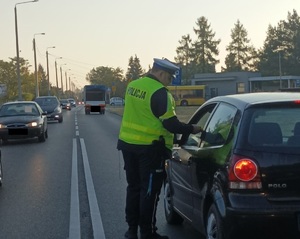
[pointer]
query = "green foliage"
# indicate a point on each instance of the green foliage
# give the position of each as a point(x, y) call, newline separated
point(242, 56)
point(198, 56)
point(134, 70)
point(184, 57)
point(281, 48)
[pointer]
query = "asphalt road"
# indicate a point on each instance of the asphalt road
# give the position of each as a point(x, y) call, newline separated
point(71, 186)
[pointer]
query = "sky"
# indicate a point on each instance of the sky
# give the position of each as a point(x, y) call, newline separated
point(92, 33)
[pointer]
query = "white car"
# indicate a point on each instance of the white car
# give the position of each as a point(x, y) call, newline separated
point(116, 101)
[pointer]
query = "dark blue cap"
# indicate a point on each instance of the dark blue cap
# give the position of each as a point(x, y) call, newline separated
point(165, 65)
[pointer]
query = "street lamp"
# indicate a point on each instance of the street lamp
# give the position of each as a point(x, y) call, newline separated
point(56, 71)
point(17, 49)
point(35, 65)
point(61, 79)
point(67, 79)
point(48, 68)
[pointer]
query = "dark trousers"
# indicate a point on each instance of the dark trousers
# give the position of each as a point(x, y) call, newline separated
point(141, 203)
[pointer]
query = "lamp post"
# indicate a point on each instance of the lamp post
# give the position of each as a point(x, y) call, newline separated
point(17, 49)
point(35, 65)
point(56, 71)
point(48, 68)
point(67, 79)
point(61, 79)
point(280, 73)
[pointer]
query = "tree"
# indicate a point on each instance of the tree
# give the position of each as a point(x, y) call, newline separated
point(183, 58)
point(107, 76)
point(134, 70)
point(204, 48)
point(281, 50)
point(242, 56)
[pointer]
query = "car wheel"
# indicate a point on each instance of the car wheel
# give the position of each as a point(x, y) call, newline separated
point(4, 141)
point(214, 228)
point(60, 120)
point(46, 134)
point(171, 216)
point(184, 103)
point(42, 137)
point(1, 173)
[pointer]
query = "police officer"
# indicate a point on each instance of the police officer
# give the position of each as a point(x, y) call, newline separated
point(146, 138)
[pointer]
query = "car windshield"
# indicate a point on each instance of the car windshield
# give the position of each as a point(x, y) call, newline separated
point(46, 101)
point(19, 109)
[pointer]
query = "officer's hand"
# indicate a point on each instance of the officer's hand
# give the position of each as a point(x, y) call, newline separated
point(197, 129)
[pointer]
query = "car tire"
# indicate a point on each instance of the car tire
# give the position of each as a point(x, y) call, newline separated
point(1, 171)
point(42, 137)
point(214, 227)
point(60, 120)
point(4, 141)
point(184, 103)
point(172, 217)
point(46, 134)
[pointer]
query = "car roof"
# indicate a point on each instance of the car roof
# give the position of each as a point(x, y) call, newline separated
point(45, 97)
point(244, 100)
point(20, 102)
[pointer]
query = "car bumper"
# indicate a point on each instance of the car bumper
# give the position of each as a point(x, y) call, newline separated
point(54, 116)
point(245, 210)
point(20, 133)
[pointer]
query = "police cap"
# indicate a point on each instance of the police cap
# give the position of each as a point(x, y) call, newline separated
point(165, 65)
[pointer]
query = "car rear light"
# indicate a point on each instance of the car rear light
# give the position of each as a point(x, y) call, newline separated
point(297, 101)
point(244, 174)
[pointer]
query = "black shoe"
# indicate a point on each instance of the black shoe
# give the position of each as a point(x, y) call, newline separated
point(155, 236)
point(131, 235)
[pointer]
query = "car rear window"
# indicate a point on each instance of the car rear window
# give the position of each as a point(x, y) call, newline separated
point(275, 127)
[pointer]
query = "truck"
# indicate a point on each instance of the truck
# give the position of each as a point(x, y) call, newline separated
point(94, 98)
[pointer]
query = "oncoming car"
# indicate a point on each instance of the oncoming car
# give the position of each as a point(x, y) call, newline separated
point(51, 105)
point(241, 175)
point(21, 120)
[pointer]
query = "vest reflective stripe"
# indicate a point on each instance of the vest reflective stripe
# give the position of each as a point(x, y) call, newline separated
point(142, 128)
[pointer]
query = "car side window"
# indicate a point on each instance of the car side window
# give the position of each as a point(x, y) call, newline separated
point(220, 126)
point(200, 119)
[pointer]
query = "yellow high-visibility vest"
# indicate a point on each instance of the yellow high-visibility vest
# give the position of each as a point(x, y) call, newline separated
point(139, 125)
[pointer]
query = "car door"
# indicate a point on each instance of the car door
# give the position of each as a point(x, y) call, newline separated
point(180, 165)
point(210, 155)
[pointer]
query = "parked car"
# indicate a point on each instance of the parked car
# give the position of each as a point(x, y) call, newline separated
point(51, 105)
point(72, 102)
point(21, 120)
point(116, 101)
point(65, 104)
point(242, 174)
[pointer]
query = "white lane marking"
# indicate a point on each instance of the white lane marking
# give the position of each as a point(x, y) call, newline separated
point(74, 228)
point(98, 230)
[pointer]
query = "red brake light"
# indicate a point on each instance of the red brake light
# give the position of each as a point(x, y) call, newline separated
point(245, 169)
point(297, 101)
point(243, 174)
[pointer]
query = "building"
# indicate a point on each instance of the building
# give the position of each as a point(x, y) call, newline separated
point(226, 83)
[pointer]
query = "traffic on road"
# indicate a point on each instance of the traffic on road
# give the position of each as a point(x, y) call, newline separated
point(73, 185)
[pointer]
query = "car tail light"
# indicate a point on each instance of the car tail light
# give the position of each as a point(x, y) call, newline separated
point(244, 174)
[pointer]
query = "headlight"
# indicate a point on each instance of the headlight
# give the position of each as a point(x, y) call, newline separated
point(33, 124)
point(2, 126)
